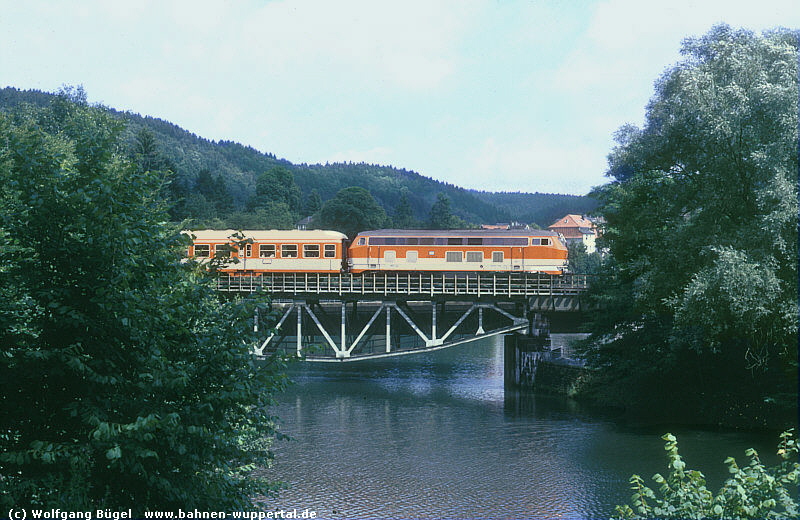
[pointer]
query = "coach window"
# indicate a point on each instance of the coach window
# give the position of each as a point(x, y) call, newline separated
point(266, 251)
point(497, 257)
point(289, 251)
point(223, 250)
point(474, 256)
point(474, 241)
point(311, 251)
point(412, 256)
point(202, 251)
point(330, 250)
point(426, 241)
point(453, 256)
point(248, 250)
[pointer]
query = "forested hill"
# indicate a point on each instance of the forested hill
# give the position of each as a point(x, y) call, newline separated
point(217, 182)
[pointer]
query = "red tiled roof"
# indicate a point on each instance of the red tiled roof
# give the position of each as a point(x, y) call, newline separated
point(571, 221)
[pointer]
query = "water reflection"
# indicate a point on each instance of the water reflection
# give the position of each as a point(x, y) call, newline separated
point(436, 436)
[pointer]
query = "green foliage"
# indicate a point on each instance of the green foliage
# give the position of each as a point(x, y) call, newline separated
point(701, 224)
point(753, 491)
point(403, 214)
point(313, 203)
point(351, 211)
point(441, 217)
point(124, 381)
point(582, 262)
point(277, 185)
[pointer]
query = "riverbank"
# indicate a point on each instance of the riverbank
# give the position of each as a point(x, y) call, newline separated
point(547, 372)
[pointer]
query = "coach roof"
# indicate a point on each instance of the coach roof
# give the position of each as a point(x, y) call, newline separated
point(269, 234)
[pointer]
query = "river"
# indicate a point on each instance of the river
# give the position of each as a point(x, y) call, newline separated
point(436, 436)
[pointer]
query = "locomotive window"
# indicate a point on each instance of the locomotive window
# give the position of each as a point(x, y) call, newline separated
point(202, 250)
point(330, 250)
point(540, 241)
point(453, 256)
point(535, 241)
point(311, 251)
point(506, 241)
point(289, 251)
point(362, 241)
point(474, 256)
point(545, 241)
point(497, 257)
point(455, 241)
point(266, 251)
point(474, 241)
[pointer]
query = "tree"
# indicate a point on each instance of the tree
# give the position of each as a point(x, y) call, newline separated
point(702, 229)
point(582, 262)
point(214, 191)
point(277, 185)
point(313, 203)
point(137, 387)
point(441, 217)
point(351, 211)
point(403, 215)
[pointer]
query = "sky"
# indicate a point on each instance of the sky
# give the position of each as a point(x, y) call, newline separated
point(497, 95)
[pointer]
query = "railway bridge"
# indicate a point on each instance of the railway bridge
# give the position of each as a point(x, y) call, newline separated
point(346, 316)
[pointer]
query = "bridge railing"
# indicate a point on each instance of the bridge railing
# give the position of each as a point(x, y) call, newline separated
point(408, 284)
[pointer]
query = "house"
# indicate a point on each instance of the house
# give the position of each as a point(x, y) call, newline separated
point(305, 223)
point(576, 228)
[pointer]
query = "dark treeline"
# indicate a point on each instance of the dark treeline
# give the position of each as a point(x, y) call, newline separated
point(225, 184)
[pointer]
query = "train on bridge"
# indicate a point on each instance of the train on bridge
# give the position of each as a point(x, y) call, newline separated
point(258, 252)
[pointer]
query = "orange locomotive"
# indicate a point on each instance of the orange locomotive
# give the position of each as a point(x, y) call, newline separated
point(457, 251)
point(385, 250)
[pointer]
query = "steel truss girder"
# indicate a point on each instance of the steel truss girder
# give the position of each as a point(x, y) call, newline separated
point(343, 351)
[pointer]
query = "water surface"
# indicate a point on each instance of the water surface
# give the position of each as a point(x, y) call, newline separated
point(436, 436)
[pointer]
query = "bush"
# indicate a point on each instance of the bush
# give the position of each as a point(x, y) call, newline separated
point(752, 491)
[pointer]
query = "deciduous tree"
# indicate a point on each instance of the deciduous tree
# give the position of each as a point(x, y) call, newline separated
point(124, 381)
point(702, 229)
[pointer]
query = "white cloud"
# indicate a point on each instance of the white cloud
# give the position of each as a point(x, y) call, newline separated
point(408, 45)
point(541, 164)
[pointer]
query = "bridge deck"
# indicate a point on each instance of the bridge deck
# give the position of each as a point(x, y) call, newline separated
point(405, 285)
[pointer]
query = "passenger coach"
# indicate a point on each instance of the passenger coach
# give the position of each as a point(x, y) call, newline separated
point(273, 250)
point(458, 250)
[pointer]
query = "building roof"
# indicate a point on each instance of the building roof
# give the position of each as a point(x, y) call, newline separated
point(572, 221)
